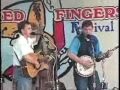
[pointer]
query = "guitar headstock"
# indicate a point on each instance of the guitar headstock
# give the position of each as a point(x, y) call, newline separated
point(114, 48)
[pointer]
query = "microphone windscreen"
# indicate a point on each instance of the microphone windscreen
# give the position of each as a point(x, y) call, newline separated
point(88, 36)
point(33, 33)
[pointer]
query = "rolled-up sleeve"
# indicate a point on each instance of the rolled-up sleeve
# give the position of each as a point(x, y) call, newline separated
point(75, 45)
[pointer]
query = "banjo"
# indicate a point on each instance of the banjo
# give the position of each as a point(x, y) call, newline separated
point(88, 71)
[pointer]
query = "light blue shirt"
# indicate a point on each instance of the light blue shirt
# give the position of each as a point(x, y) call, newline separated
point(75, 45)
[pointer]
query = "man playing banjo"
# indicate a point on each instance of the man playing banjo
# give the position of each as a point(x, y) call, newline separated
point(83, 49)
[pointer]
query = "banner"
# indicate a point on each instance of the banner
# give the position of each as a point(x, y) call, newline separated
point(61, 22)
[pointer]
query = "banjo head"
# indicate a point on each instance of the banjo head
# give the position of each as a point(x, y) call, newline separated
point(82, 70)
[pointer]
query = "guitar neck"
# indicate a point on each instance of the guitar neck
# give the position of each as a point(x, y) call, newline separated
point(114, 48)
point(104, 55)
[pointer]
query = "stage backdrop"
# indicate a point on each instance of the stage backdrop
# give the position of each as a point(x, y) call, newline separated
point(61, 20)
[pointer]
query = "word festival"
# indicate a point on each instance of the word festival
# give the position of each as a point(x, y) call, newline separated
point(98, 28)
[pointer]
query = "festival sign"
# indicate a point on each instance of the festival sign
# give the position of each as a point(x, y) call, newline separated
point(60, 25)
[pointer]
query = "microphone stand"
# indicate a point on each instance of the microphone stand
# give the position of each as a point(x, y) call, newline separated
point(56, 67)
point(1, 81)
point(56, 83)
point(103, 83)
point(94, 76)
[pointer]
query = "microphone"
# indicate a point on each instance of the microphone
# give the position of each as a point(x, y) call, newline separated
point(87, 38)
point(33, 33)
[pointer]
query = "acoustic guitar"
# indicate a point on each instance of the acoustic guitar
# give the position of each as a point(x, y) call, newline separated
point(30, 70)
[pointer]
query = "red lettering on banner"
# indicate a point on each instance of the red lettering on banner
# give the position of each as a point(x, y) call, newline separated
point(60, 14)
point(87, 13)
point(7, 16)
point(19, 16)
point(13, 15)
point(108, 12)
point(75, 14)
point(99, 12)
point(117, 10)
point(68, 14)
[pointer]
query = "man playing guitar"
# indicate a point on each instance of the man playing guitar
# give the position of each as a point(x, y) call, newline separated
point(23, 50)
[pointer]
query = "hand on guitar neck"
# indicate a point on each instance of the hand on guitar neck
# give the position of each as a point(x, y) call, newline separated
point(32, 58)
point(37, 65)
point(108, 53)
point(40, 59)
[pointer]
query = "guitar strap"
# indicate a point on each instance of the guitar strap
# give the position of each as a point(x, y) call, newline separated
point(22, 62)
point(22, 65)
point(17, 58)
